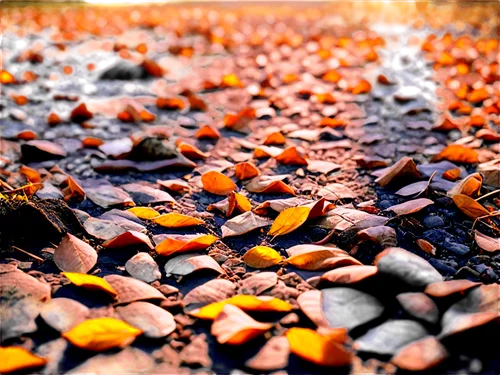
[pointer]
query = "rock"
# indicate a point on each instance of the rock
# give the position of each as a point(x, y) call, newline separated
point(433, 221)
point(124, 71)
point(143, 267)
point(443, 268)
point(436, 236)
point(456, 248)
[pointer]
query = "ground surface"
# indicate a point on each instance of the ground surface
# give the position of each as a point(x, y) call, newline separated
point(298, 131)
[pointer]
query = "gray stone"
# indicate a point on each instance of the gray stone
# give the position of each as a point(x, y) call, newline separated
point(433, 221)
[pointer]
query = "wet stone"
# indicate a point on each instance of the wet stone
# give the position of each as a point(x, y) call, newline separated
point(433, 221)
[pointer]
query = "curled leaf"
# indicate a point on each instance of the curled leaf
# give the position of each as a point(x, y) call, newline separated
point(469, 206)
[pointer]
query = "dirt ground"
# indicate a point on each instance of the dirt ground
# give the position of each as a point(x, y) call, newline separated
point(250, 188)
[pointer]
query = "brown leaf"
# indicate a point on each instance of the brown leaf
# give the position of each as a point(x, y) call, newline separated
point(185, 264)
point(469, 206)
point(487, 243)
point(269, 185)
point(314, 257)
point(310, 304)
point(62, 314)
point(232, 326)
point(132, 290)
point(143, 194)
point(470, 185)
point(143, 267)
point(272, 356)
point(404, 168)
point(382, 235)
point(342, 219)
point(16, 283)
point(258, 283)
point(107, 195)
point(74, 255)
point(447, 288)
point(348, 275)
point(291, 156)
point(243, 223)
point(419, 306)
point(426, 246)
point(128, 238)
point(152, 320)
point(458, 154)
point(212, 291)
point(334, 192)
point(413, 189)
point(491, 172)
point(420, 355)
point(410, 207)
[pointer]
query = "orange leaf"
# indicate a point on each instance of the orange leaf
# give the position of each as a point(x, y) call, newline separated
point(362, 87)
point(275, 138)
point(405, 167)
point(478, 96)
point(53, 119)
point(16, 358)
point(469, 206)
point(183, 243)
point(452, 174)
point(170, 104)
point(291, 156)
point(81, 114)
point(128, 238)
point(216, 183)
point(246, 170)
point(90, 282)
point(458, 154)
point(231, 80)
point(332, 76)
point(261, 257)
point(207, 132)
point(176, 220)
point(332, 122)
point(289, 220)
point(6, 78)
point(145, 213)
point(191, 152)
point(91, 142)
point(268, 185)
point(470, 185)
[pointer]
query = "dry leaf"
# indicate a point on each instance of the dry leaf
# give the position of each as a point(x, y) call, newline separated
point(232, 326)
point(185, 264)
point(420, 355)
point(176, 220)
point(212, 291)
point(491, 172)
point(275, 138)
point(470, 185)
point(63, 314)
point(152, 320)
point(458, 154)
point(291, 156)
point(404, 168)
point(102, 334)
point(207, 132)
point(108, 195)
point(16, 358)
point(289, 220)
point(245, 171)
point(261, 257)
point(182, 243)
point(487, 243)
point(272, 356)
point(341, 218)
point(382, 235)
point(410, 207)
point(244, 302)
point(269, 185)
point(314, 257)
point(90, 282)
point(216, 183)
point(348, 275)
point(334, 192)
point(450, 287)
point(243, 223)
point(279, 205)
point(234, 203)
point(128, 238)
point(132, 290)
point(177, 186)
point(318, 349)
point(469, 206)
point(143, 267)
point(413, 189)
point(191, 152)
point(145, 213)
point(426, 247)
point(452, 174)
point(74, 255)
point(310, 304)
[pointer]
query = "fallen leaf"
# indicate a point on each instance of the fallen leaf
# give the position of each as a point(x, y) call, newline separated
point(341, 218)
point(487, 243)
point(419, 306)
point(102, 334)
point(212, 291)
point(404, 168)
point(318, 349)
point(447, 288)
point(289, 220)
point(469, 206)
point(348, 275)
point(128, 238)
point(275, 138)
point(145, 213)
point(279, 205)
point(382, 235)
point(491, 172)
point(63, 314)
point(80, 114)
point(245, 171)
point(291, 156)
point(426, 246)
point(258, 283)
point(143, 194)
point(207, 132)
point(185, 264)
point(143, 267)
point(107, 195)
point(310, 304)
point(272, 356)
point(129, 289)
point(16, 283)
point(413, 189)
point(244, 302)
point(232, 326)
point(261, 257)
point(191, 152)
point(320, 166)
point(452, 174)
point(90, 282)
point(470, 185)
point(458, 154)
point(177, 220)
point(410, 207)
point(243, 223)
point(153, 321)
point(16, 358)
point(239, 122)
point(182, 243)
point(172, 104)
point(420, 355)
point(334, 192)
point(216, 183)
point(177, 186)
point(74, 255)
point(315, 257)
point(269, 185)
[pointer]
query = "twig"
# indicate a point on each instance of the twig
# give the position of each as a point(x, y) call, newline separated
point(28, 253)
point(488, 195)
point(497, 213)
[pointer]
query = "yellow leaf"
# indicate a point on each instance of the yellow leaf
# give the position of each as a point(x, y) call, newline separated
point(241, 202)
point(176, 220)
point(182, 243)
point(234, 327)
point(15, 358)
point(90, 282)
point(318, 349)
point(216, 183)
point(261, 257)
point(289, 220)
point(244, 302)
point(144, 213)
point(101, 334)
point(469, 206)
